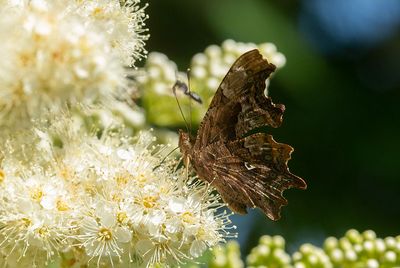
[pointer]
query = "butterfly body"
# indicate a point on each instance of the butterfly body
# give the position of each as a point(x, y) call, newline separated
point(247, 170)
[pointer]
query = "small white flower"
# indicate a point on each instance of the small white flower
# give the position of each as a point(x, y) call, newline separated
point(102, 235)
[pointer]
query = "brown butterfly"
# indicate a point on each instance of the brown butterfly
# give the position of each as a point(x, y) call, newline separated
point(247, 170)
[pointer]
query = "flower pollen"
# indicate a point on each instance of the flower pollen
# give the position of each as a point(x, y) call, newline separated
point(188, 217)
point(97, 12)
point(116, 197)
point(141, 179)
point(150, 201)
point(43, 232)
point(2, 175)
point(122, 217)
point(65, 173)
point(122, 180)
point(61, 205)
point(23, 223)
point(104, 234)
point(37, 194)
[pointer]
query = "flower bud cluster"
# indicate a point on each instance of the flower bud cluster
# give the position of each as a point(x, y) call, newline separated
point(269, 252)
point(226, 256)
point(353, 250)
point(363, 250)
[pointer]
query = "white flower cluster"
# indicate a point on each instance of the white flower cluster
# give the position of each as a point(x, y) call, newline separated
point(76, 198)
point(57, 52)
point(122, 22)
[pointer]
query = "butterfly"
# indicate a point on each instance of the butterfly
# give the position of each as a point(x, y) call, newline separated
point(248, 170)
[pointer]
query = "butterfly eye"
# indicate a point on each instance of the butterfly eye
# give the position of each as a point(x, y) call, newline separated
point(249, 166)
point(181, 86)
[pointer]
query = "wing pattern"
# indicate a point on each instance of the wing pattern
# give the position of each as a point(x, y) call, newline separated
point(248, 171)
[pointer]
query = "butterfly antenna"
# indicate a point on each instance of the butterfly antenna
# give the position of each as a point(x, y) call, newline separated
point(174, 87)
point(190, 101)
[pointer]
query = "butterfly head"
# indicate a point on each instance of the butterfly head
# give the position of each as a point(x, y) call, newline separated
point(185, 145)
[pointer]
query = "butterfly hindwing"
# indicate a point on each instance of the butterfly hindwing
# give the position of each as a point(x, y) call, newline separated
point(252, 172)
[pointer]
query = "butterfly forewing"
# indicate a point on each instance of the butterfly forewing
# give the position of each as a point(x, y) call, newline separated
point(247, 171)
point(246, 77)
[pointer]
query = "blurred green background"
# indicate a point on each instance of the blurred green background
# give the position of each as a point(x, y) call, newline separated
point(341, 88)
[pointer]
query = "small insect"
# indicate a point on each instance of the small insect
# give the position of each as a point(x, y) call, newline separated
point(185, 89)
point(247, 170)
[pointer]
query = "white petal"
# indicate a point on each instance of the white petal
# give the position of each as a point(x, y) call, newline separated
point(43, 27)
point(89, 224)
point(106, 217)
point(90, 248)
point(191, 230)
point(123, 235)
point(48, 202)
point(197, 248)
point(124, 154)
point(154, 230)
point(35, 241)
point(149, 188)
point(177, 205)
point(25, 205)
point(105, 150)
point(157, 217)
point(144, 246)
point(173, 225)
